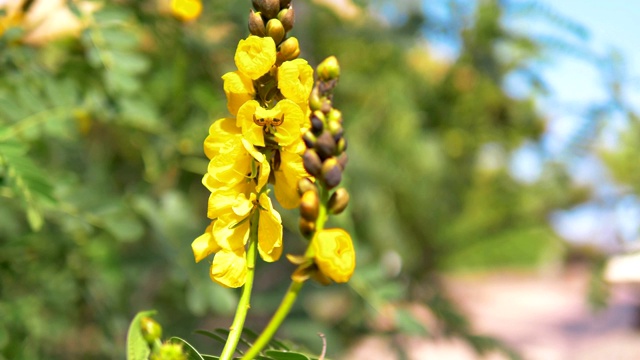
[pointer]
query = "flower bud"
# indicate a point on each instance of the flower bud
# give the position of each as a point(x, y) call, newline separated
point(309, 139)
point(329, 69)
point(315, 102)
point(312, 162)
point(325, 145)
point(306, 227)
point(169, 351)
point(334, 115)
point(341, 147)
point(310, 205)
point(275, 30)
point(256, 24)
point(335, 128)
point(343, 159)
point(331, 172)
point(289, 49)
point(284, 3)
point(338, 201)
point(151, 330)
point(269, 8)
point(305, 184)
point(316, 124)
point(286, 17)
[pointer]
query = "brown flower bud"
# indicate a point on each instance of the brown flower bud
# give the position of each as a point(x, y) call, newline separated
point(306, 227)
point(289, 49)
point(338, 201)
point(335, 128)
point(309, 139)
point(286, 16)
point(284, 3)
point(269, 8)
point(331, 172)
point(317, 124)
point(310, 205)
point(325, 145)
point(305, 184)
point(256, 24)
point(343, 159)
point(329, 69)
point(275, 30)
point(312, 162)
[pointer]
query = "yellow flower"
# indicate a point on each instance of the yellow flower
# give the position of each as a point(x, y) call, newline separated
point(295, 80)
point(220, 132)
point(186, 10)
point(255, 56)
point(239, 89)
point(287, 175)
point(228, 235)
point(284, 121)
point(236, 162)
point(334, 254)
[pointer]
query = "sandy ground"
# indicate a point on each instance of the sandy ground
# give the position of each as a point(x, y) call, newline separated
point(543, 317)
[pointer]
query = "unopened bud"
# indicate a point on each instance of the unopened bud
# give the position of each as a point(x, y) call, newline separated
point(312, 162)
point(256, 24)
point(286, 16)
point(269, 8)
point(316, 124)
point(289, 49)
point(335, 128)
point(315, 102)
point(275, 30)
point(334, 115)
point(329, 69)
point(331, 172)
point(325, 145)
point(338, 201)
point(305, 184)
point(284, 3)
point(309, 139)
point(306, 227)
point(310, 205)
point(151, 330)
point(343, 159)
point(341, 147)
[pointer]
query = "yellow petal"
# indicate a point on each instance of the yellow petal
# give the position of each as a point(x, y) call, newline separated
point(295, 80)
point(291, 170)
point(261, 160)
point(229, 268)
point(290, 129)
point(255, 56)
point(204, 245)
point(186, 10)
point(231, 232)
point(250, 130)
point(269, 231)
point(334, 254)
point(239, 89)
point(220, 132)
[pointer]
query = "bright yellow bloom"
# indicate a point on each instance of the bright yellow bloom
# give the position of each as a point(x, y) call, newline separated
point(228, 235)
point(255, 56)
point(234, 165)
point(295, 80)
point(186, 10)
point(284, 121)
point(220, 132)
point(334, 254)
point(287, 175)
point(239, 89)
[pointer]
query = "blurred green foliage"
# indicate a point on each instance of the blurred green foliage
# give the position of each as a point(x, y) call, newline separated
point(101, 162)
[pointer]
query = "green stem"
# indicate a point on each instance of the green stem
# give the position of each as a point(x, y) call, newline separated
point(292, 293)
point(244, 303)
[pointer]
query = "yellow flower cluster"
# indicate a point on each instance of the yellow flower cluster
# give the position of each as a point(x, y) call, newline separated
point(261, 143)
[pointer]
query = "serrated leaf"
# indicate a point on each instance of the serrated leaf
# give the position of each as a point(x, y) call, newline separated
point(192, 353)
point(137, 347)
point(286, 355)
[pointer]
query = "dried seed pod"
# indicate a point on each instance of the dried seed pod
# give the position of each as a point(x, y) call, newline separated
point(312, 162)
point(331, 172)
point(256, 24)
point(310, 205)
point(338, 201)
point(325, 145)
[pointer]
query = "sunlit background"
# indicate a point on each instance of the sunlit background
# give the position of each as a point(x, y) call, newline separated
point(493, 175)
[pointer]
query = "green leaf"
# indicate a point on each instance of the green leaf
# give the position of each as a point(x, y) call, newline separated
point(408, 323)
point(192, 353)
point(216, 337)
point(286, 355)
point(137, 347)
